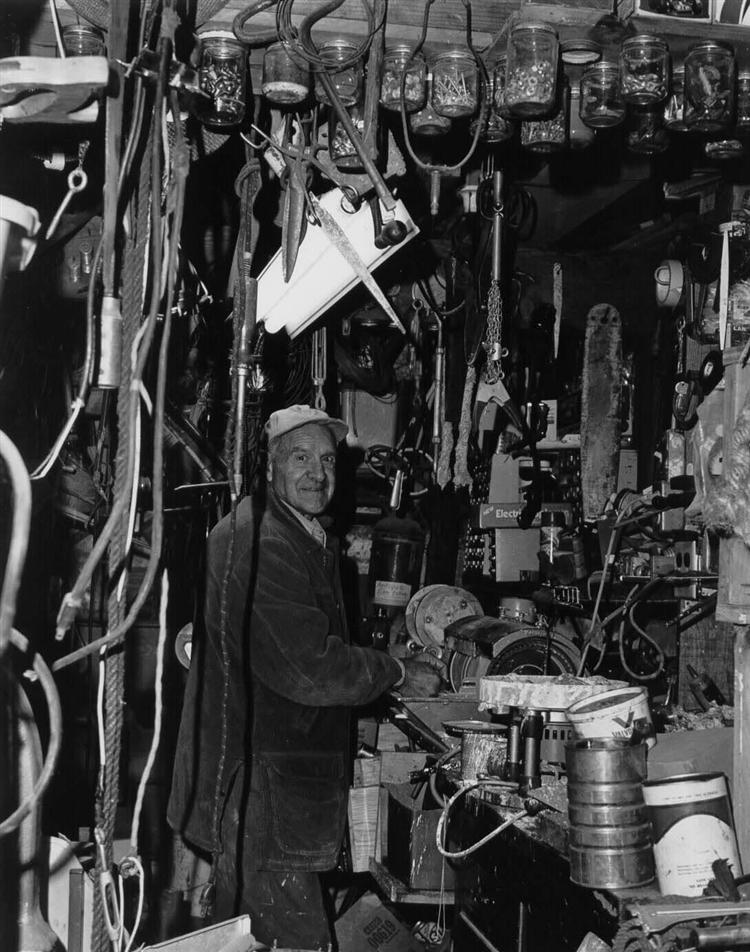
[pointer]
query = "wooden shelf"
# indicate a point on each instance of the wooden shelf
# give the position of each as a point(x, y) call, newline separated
point(397, 891)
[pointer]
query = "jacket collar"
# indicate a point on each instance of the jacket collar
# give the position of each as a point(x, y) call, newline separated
point(291, 522)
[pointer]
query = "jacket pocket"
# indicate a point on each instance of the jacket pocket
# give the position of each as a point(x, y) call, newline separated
point(307, 806)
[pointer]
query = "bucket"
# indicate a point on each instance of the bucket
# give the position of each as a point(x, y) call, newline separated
point(610, 833)
point(483, 747)
point(692, 822)
point(616, 713)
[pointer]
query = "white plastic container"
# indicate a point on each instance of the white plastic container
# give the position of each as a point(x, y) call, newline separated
point(616, 713)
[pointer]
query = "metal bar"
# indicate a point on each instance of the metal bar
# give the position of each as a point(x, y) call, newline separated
point(478, 933)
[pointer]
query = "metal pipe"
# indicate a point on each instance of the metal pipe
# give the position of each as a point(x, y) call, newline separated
point(381, 189)
point(491, 947)
point(497, 230)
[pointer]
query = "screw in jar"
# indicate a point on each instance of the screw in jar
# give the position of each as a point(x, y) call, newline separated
point(601, 103)
point(338, 59)
point(644, 62)
point(285, 79)
point(222, 71)
point(532, 68)
point(455, 84)
point(709, 87)
point(499, 75)
point(646, 134)
point(81, 40)
point(396, 60)
point(674, 107)
point(340, 147)
point(549, 135)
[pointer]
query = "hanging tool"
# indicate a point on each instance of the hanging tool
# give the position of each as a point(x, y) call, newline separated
point(493, 345)
point(436, 171)
point(319, 366)
point(340, 240)
point(294, 183)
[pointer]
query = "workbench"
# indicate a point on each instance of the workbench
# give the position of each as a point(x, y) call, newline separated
point(515, 892)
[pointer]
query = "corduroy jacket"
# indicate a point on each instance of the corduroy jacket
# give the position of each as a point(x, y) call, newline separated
point(293, 677)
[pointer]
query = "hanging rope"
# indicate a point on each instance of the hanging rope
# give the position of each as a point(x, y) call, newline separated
point(462, 476)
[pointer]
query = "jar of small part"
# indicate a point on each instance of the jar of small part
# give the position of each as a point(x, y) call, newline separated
point(396, 61)
point(549, 135)
point(339, 59)
point(602, 105)
point(532, 67)
point(709, 87)
point(646, 134)
point(340, 147)
point(499, 75)
point(644, 69)
point(222, 71)
point(455, 84)
point(286, 76)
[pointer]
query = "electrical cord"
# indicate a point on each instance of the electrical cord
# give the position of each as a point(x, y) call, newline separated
point(51, 696)
point(254, 37)
point(442, 822)
point(646, 637)
point(301, 40)
point(19, 536)
point(73, 599)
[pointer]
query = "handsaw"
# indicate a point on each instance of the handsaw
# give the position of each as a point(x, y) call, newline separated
point(339, 239)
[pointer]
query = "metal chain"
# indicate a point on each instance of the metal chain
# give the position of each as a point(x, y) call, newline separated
point(319, 366)
point(493, 340)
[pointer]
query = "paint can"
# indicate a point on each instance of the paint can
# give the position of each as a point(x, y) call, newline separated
point(620, 712)
point(692, 822)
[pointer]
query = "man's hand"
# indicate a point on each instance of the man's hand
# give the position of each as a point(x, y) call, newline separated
point(422, 679)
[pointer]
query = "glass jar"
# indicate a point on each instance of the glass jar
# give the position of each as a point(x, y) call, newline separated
point(496, 128)
point(602, 105)
point(709, 87)
point(646, 134)
point(531, 76)
point(81, 40)
point(644, 65)
point(742, 124)
point(674, 108)
point(395, 61)
point(549, 135)
point(346, 72)
point(455, 84)
point(222, 71)
point(580, 136)
point(340, 147)
point(499, 75)
point(285, 80)
point(427, 122)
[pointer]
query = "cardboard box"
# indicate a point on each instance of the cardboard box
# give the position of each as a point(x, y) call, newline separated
point(368, 925)
point(413, 855)
point(364, 826)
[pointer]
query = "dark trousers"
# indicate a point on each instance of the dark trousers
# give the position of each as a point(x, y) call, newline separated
point(286, 907)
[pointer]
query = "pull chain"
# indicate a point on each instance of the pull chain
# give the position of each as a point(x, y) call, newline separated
point(319, 367)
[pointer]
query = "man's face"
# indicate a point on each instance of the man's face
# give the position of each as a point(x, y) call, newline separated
point(302, 469)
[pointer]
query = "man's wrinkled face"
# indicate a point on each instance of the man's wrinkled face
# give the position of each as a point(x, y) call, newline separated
point(302, 468)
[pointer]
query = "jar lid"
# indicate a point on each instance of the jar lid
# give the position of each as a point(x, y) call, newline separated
point(538, 25)
point(709, 46)
point(82, 29)
point(580, 51)
point(219, 35)
point(645, 39)
point(398, 48)
point(458, 53)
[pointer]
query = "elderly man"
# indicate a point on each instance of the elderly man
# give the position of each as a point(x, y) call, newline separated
point(269, 792)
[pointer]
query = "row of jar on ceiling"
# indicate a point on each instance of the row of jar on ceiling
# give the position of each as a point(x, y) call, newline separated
point(555, 107)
